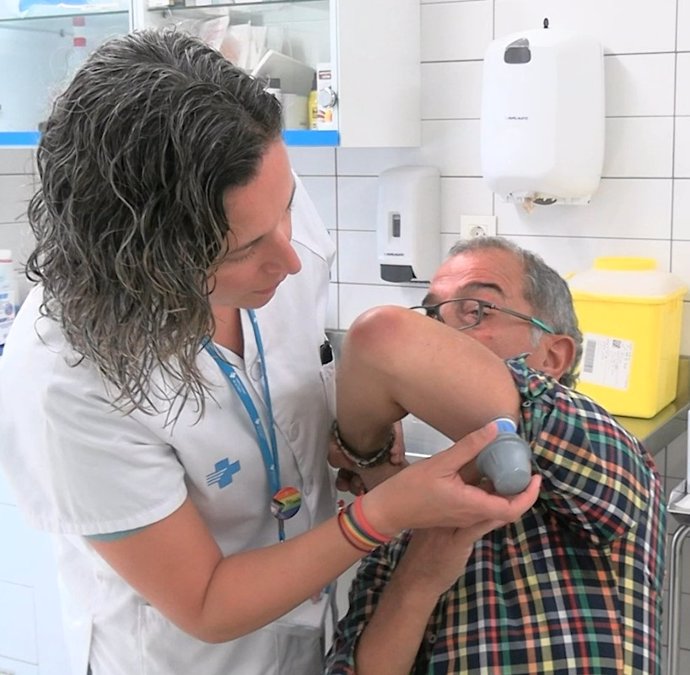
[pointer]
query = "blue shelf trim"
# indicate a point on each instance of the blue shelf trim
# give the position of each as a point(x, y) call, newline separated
point(311, 138)
point(291, 137)
point(19, 138)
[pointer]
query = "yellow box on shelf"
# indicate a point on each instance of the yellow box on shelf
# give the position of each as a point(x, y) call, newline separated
point(630, 315)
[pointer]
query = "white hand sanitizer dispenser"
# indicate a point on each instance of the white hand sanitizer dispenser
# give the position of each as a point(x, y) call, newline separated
point(542, 119)
point(409, 223)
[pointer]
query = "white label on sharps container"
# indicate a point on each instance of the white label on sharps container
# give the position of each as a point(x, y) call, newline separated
point(606, 361)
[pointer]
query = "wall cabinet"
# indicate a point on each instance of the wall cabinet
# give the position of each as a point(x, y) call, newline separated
point(366, 54)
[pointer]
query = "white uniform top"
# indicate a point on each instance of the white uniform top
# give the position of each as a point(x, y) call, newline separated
point(79, 467)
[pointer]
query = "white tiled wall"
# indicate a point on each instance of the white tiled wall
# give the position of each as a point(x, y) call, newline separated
point(641, 208)
point(643, 204)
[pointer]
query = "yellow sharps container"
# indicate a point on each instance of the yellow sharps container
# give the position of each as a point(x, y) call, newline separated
point(630, 316)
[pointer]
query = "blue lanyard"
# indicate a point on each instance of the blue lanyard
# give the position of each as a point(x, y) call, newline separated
point(267, 443)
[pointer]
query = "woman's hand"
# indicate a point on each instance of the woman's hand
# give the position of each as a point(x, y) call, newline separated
point(433, 493)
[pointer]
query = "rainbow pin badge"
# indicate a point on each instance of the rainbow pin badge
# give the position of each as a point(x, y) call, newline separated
point(286, 502)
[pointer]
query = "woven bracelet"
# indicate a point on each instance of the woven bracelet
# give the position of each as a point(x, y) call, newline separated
point(350, 534)
point(357, 529)
point(382, 455)
point(363, 524)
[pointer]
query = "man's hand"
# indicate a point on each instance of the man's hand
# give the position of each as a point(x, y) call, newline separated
point(357, 481)
point(437, 556)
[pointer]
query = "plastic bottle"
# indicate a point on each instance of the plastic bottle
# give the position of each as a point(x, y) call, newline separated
point(313, 105)
point(8, 298)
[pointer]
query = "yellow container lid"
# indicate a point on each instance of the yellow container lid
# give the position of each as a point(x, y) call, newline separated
point(624, 263)
point(626, 279)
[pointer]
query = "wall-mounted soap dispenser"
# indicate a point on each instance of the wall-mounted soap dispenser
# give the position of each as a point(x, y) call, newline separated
point(409, 223)
point(542, 117)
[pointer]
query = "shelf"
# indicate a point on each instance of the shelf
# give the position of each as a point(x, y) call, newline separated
point(670, 422)
point(292, 137)
point(271, 12)
point(254, 5)
point(19, 139)
point(49, 15)
point(296, 137)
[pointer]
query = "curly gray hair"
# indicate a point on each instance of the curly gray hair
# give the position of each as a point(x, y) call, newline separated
point(543, 288)
point(133, 162)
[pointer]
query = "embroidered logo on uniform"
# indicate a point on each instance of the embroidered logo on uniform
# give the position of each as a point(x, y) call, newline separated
point(223, 473)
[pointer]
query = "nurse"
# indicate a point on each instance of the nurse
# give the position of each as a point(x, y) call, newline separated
point(165, 390)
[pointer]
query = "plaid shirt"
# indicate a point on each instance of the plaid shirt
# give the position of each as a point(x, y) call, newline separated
point(574, 587)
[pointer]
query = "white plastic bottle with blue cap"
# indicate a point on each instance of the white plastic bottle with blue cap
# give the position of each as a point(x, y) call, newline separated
point(7, 295)
point(507, 460)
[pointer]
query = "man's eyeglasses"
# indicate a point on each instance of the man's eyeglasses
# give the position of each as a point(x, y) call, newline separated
point(464, 313)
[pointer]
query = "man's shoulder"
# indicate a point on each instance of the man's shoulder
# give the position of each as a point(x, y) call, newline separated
point(529, 381)
point(573, 409)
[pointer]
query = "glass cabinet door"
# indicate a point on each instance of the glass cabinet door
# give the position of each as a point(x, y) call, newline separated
point(41, 44)
point(284, 42)
point(346, 71)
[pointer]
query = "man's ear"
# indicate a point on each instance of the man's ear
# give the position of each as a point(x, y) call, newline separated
point(556, 355)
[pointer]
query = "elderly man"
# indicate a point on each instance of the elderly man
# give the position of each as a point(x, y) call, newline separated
point(574, 586)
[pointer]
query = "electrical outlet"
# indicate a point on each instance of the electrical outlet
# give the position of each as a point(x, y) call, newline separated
point(472, 227)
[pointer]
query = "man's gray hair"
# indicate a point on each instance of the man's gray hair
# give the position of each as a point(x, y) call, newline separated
point(543, 288)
